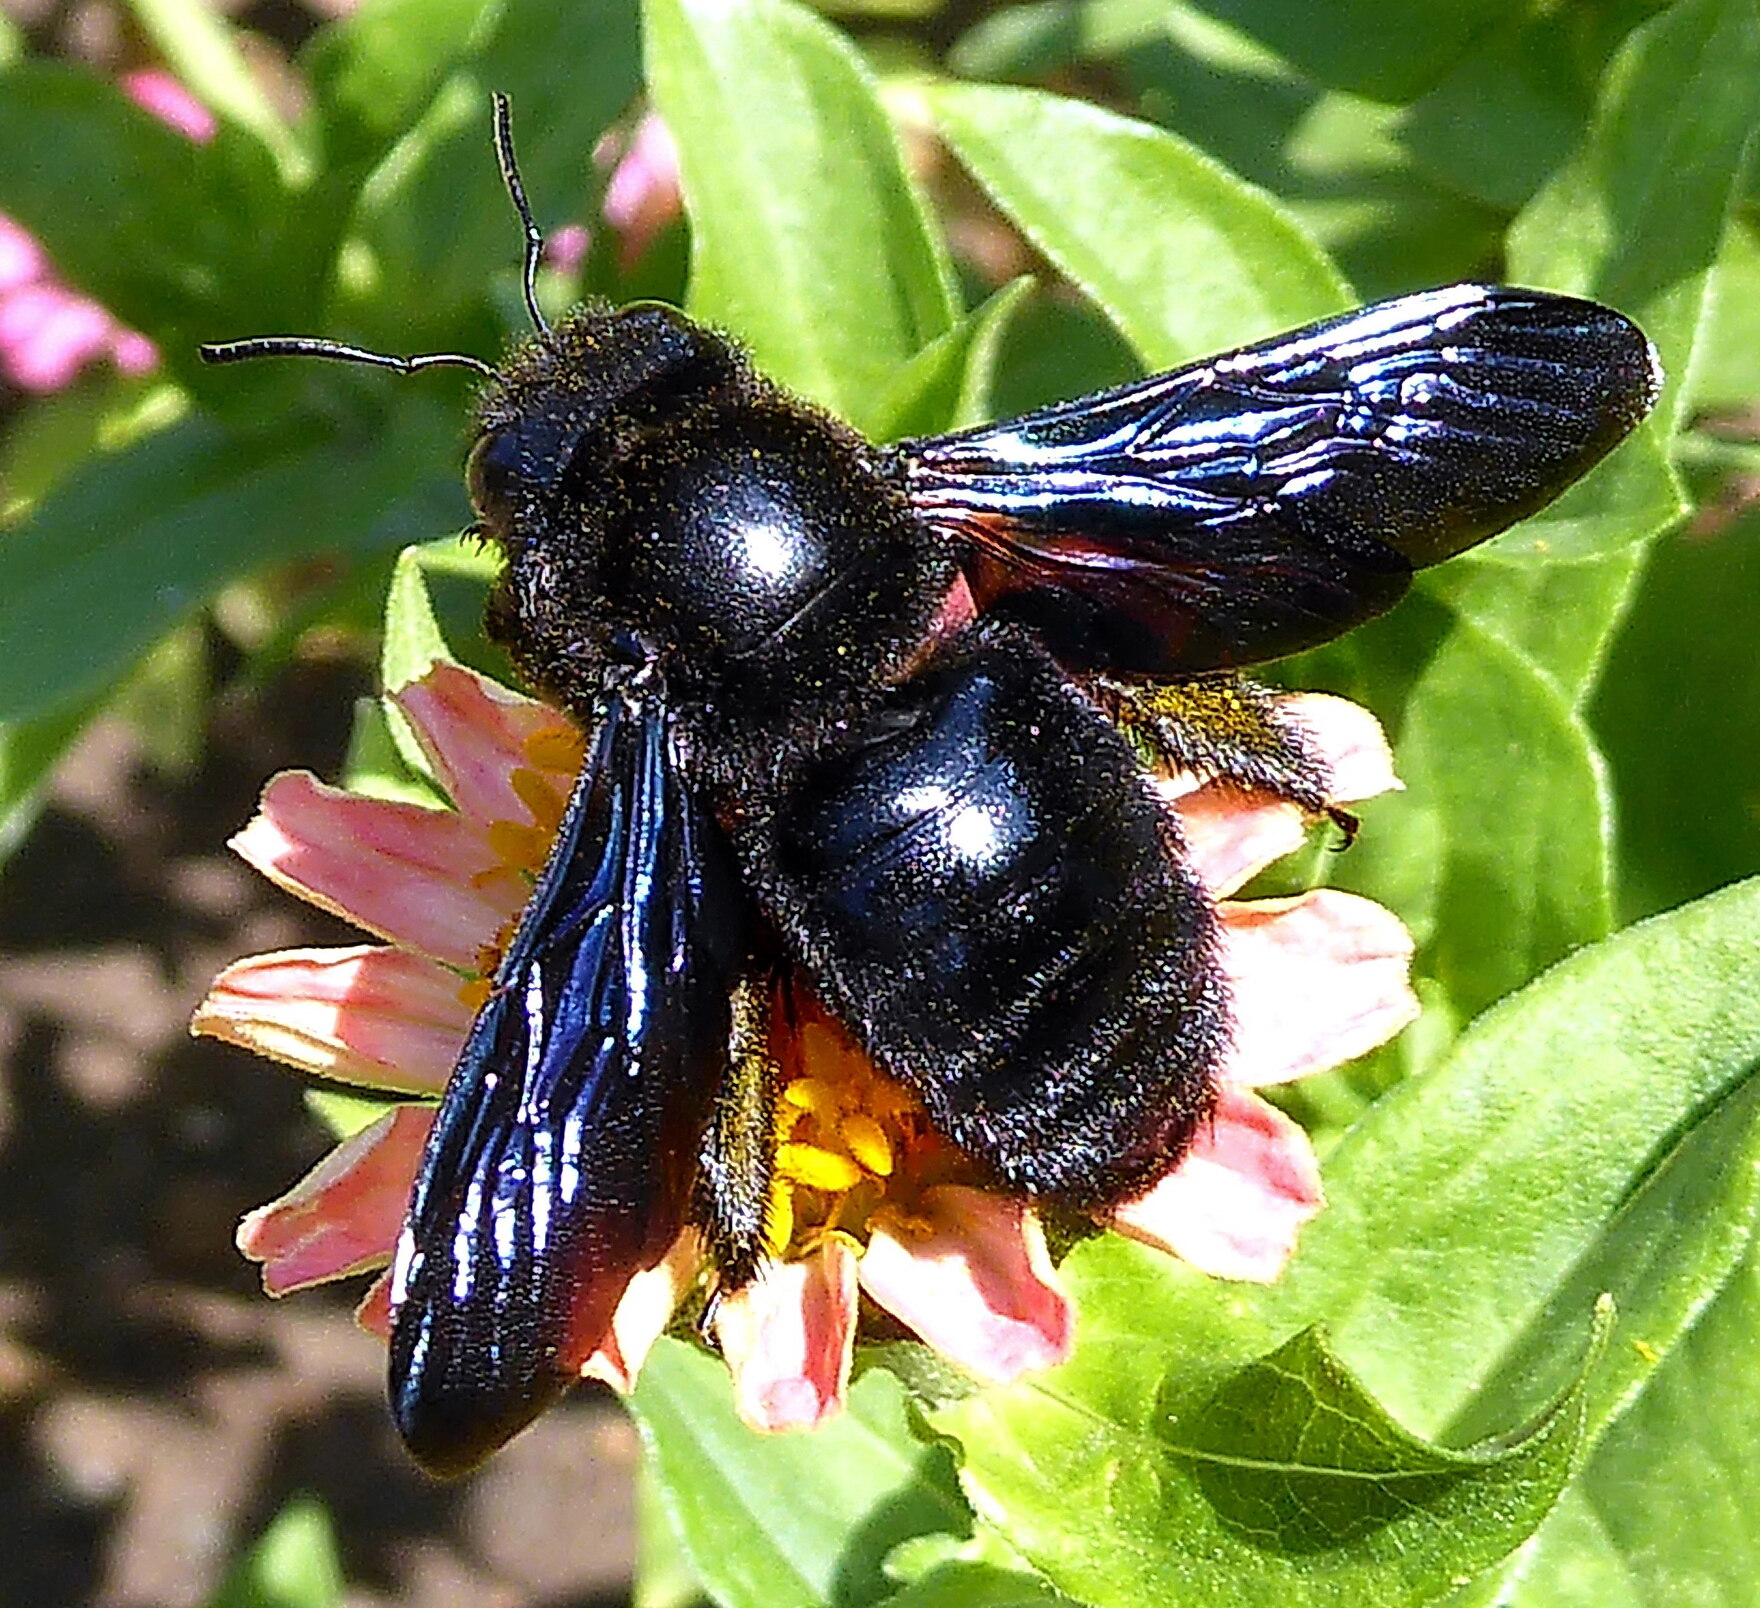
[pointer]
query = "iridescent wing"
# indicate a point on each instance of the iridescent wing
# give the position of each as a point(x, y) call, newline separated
point(1274, 497)
point(562, 1156)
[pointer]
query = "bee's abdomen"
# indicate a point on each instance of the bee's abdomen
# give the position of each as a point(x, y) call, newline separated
point(991, 896)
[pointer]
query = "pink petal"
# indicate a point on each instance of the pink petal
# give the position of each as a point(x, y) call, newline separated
point(374, 1312)
point(789, 1339)
point(642, 196)
point(1351, 742)
point(21, 258)
point(383, 1018)
point(642, 1314)
point(474, 732)
point(48, 334)
point(132, 353)
point(565, 249)
point(1232, 836)
point(968, 1270)
point(1316, 981)
point(1233, 1207)
point(343, 1216)
point(397, 870)
point(159, 93)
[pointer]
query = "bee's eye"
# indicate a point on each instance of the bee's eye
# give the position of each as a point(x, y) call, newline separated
point(492, 478)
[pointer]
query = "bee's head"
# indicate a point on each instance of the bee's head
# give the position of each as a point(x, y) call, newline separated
point(571, 399)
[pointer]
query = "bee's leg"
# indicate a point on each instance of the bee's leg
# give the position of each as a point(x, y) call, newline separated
point(738, 1161)
point(1221, 726)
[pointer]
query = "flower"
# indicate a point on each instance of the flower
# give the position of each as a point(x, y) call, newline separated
point(48, 333)
point(868, 1198)
point(642, 194)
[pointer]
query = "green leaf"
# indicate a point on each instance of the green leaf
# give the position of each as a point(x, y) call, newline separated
point(1676, 1239)
point(1635, 219)
point(415, 638)
point(374, 69)
point(808, 239)
point(1472, 1199)
point(663, 1574)
point(1675, 709)
point(790, 1521)
point(434, 217)
point(165, 233)
point(1219, 89)
point(29, 752)
point(376, 765)
point(979, 1586)
point(1184, 257)
point(1726, 372)
point(1057, 347)
point(1382, 48)
point(948, 384)
point(1506, 115)
point(1389, 226)
point(166, 701)
point(960, 1584)
point(1560, 617)
point(1020, 42)
point(1663, 1512)
point(120, 552)
point(295, 1565)
point(345, 1114)
point(199, 47)
point(1159, 1465)
point(1638, 215)
point(1497, 854)
point(56, 434)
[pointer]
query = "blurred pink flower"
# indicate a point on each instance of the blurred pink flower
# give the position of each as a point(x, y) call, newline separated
point(642, 196)
point(156, 91)
point(566, 248)
point(868, 1199)
point(48, 332)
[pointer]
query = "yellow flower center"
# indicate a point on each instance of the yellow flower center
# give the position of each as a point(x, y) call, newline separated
point(848, 1137)
point(554, 758)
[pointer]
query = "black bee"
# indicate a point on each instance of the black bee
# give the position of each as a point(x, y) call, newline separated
point(802, 756)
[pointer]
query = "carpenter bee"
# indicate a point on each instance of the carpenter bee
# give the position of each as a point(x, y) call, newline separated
point(875, 713)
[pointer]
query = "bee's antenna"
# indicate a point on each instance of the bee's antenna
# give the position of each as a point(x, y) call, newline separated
point(312, 346)
point(534, 238)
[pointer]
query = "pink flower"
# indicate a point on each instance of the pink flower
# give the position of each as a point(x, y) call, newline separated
point(48, 333)
point(642, 195)
point(156, 91)
point(868, 1198)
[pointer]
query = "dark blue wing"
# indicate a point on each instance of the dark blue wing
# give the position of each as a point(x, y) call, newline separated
point(563, 1151)
point(1274, 497)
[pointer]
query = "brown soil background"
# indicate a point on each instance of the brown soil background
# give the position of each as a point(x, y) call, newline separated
point(156, 1410)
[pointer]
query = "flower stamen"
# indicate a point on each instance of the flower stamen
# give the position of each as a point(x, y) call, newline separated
point(849, 1138)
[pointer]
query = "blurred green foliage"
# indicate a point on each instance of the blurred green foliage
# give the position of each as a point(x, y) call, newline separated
point(1574, 706)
